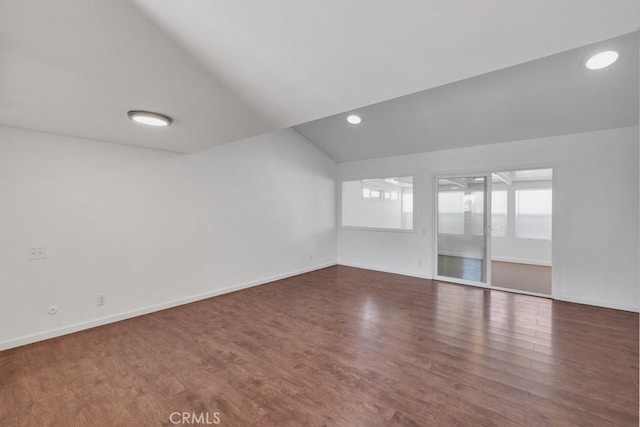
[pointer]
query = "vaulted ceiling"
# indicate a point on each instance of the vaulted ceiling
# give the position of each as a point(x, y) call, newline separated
point(230, 69)
point(555, 95)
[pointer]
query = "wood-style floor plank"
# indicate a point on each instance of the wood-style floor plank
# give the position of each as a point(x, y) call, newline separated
point(338, 347)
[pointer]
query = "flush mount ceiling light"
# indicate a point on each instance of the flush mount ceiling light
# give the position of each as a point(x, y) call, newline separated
point(149, 118)
point(602, 60)
point(354, 119)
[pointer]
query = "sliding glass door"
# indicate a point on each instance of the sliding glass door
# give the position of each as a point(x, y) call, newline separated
point(462, 224)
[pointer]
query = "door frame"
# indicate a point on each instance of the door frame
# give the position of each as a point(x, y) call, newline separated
point(486, 227)
point(556, 214)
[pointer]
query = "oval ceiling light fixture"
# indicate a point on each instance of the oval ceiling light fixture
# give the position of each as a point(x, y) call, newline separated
point(149, 118)
point(602, 60)
point(354, 119)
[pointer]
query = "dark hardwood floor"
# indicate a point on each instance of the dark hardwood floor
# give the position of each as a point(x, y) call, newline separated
point(338, 347)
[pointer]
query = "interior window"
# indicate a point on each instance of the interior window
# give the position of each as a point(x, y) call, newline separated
point(384, 203)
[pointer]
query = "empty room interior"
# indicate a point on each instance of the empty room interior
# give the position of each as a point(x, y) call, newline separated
point(288, 213)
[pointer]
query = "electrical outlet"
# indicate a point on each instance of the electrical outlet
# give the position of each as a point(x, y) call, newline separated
point(310, 258)
point(37, 253)
point(52, 309)
point(101, 300)
point(420, 261)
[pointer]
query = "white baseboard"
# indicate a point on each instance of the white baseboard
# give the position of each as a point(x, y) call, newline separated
point(580, 300)
point(384, 270)
point(76, 327)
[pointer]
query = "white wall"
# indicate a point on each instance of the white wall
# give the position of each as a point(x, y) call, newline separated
point(151, 229)
point(595, 247)
point(267, 204)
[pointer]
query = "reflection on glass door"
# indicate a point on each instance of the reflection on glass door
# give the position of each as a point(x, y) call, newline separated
point(462, 244)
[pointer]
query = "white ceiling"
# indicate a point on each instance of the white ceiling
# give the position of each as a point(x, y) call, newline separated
point(301, 60)
point(229, 69)
point(76, 67)
point(555, 95)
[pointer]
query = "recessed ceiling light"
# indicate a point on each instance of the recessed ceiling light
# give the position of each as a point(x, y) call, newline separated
point(602, 60)
point(354, 119)
point(149, 118)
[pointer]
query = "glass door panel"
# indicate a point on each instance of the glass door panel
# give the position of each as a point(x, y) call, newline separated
point(462, 224)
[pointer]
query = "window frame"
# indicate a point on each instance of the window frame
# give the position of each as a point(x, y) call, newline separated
point(375, 200)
